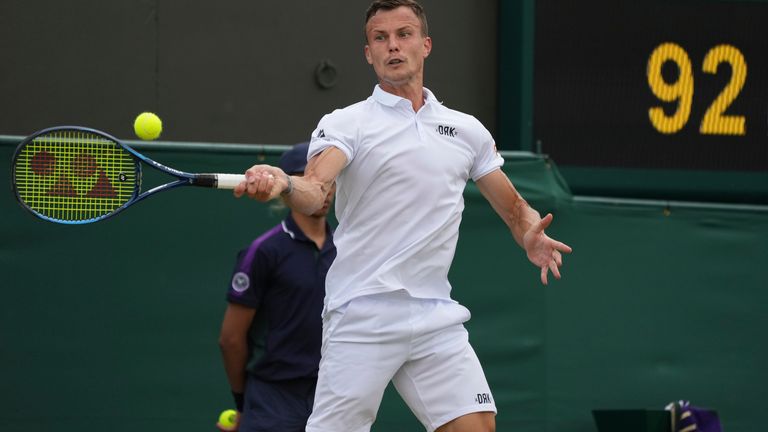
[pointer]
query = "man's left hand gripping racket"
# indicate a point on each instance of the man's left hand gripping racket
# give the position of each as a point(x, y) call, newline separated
point(77, 175)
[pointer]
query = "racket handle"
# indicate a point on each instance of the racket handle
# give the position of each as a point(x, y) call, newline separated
point(229, 181)
point(218, 181)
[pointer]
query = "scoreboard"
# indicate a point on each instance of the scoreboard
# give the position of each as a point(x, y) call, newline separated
point(677, 88)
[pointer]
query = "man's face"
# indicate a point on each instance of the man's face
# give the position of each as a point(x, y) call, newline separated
point(396, 47)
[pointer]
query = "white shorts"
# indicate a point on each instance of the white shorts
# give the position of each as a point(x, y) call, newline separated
point(420, 345)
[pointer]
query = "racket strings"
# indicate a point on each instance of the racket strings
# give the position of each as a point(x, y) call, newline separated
point(73, 175)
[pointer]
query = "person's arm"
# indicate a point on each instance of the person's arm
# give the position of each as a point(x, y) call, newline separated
point(305, 194)
point(233, 342)
point(525, 223)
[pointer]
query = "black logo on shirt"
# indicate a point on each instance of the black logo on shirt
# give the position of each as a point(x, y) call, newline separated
point(446, 131)
point(483, 398)
point(321, 134)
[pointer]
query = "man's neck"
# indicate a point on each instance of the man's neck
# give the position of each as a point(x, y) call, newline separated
point(413, 91)
point(312, 226)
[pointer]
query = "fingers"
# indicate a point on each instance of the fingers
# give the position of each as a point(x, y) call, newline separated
point(562, 247)
point(239, 189)
point(544, 222)
point(553, 265)
point(259, 183)
point(557, 257)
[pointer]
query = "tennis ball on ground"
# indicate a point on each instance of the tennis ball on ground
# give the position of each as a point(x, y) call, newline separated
point(147, 126)
point(228, 418)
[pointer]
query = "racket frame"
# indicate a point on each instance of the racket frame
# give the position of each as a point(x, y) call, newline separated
point(228, 181)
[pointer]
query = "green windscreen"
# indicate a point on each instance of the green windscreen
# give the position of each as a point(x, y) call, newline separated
point(117, 323)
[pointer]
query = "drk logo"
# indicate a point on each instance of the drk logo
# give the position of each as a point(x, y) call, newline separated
point(483, 398)
point(446, 131)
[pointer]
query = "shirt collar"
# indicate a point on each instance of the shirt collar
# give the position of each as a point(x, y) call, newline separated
point(291, 228)
point(390, 100)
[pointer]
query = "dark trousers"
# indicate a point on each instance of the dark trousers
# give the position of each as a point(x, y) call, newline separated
point(277, 406)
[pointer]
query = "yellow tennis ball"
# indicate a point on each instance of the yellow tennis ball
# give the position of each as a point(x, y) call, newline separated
point(147, 126)
point(227, 418)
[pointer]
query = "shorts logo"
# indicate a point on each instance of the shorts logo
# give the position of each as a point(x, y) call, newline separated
point(483, 398)
point(240, 282)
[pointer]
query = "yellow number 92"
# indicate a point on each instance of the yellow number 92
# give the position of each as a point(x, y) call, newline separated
point(714, 121)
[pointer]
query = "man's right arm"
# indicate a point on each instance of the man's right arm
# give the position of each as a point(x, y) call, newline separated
point(304, 194)
point(233, 342)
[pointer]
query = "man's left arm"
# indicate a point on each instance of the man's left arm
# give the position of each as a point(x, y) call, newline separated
point(525, 223)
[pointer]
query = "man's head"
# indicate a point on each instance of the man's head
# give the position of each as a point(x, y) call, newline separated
point(387, 5)
point(397, 43)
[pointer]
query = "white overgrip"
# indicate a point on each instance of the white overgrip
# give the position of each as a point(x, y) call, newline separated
point(228, 181)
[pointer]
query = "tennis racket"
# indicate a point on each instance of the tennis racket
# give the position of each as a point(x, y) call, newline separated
point(78, 175)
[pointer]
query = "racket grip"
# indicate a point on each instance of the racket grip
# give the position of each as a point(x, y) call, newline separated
point(229, 181)
point(218, 181)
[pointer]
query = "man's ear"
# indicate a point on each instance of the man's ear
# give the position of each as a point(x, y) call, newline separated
point(427, 46)
point(367, 52)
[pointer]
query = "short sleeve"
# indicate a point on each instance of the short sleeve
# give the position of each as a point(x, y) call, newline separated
point(487, 159)
point(334, 130)
point(250, 278)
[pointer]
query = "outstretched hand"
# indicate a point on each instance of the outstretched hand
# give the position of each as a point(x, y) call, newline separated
point(261, 183)
point(544, 252)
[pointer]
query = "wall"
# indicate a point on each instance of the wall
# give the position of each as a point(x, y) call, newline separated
point(234, 71)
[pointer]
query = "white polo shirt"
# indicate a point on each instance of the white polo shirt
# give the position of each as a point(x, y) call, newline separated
point(399, 200)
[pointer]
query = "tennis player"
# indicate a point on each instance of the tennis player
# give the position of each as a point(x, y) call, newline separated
point(271, 332)
point(401, 161)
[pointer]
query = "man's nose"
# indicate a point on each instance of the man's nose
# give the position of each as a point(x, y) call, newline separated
point(393, 44)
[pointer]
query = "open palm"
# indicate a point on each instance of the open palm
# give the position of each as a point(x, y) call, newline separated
point(543, 251)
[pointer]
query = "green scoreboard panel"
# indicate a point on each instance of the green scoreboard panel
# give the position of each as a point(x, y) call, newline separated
point(656, 98)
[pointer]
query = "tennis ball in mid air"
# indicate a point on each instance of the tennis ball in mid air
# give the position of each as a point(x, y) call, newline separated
point(227, 418)
point(147, 126)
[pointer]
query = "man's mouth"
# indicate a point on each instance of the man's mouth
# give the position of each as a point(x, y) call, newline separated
point(395, 62)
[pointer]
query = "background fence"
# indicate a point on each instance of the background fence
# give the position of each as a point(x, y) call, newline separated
point(115, 324)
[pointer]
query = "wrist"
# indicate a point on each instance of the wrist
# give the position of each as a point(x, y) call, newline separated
point(289, 188)
point(239, 401)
